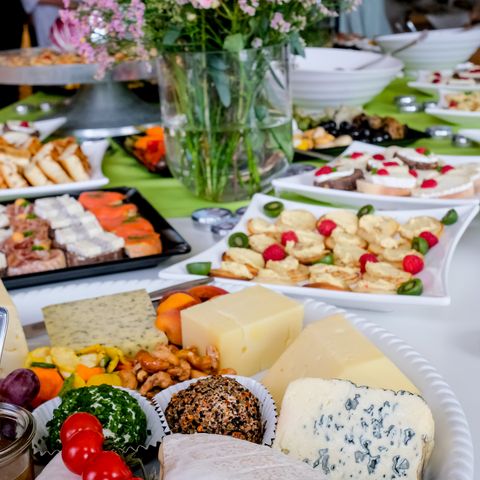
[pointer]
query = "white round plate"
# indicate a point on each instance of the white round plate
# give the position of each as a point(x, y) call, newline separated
point(457, 117)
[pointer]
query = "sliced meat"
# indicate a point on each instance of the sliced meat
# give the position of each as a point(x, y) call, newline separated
point(25, 262)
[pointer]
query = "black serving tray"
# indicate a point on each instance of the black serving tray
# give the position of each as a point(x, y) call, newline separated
point(172, 242)
point(411, 136)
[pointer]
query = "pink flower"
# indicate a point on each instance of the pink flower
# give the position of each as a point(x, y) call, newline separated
point(257, 42)
point(279, 23)
point(205, 3)
point(248, 7)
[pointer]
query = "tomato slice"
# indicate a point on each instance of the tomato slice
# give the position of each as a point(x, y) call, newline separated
point(77, 422)
point(80, 448)
point(106, 466)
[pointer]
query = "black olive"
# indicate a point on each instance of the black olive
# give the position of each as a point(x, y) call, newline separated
point(355, 134)
point(386, 136)
point(377, 139)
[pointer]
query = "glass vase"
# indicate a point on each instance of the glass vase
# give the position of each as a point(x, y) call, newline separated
point(227, 119)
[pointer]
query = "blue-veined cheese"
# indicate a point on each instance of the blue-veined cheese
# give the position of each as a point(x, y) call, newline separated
point(350, 432)
point(125, 320)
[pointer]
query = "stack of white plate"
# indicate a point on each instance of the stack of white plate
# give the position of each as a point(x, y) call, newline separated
point(441, 49)
point(328, 77)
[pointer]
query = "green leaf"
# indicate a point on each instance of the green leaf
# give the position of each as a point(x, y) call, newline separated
point(297, 45)
point(234, 43)
point(261, 112)
point(172, 35)
point(67, 385)
point(222, 84)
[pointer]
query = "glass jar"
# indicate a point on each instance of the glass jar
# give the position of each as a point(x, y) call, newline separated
point(17, 428)
point(227, 119)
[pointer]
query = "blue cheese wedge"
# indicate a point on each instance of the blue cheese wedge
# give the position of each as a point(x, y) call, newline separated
point(345, 431)
point(125, 320)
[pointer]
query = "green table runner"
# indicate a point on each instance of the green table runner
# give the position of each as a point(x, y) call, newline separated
point(171, 199)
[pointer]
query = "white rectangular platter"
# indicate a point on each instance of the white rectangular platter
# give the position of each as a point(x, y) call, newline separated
point(453, 452)
point(434, 276)
point(94, 150)
point(303, 185)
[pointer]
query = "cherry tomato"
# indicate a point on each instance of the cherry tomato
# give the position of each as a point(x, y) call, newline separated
point(80, 448)
point(106, 466)
point(77, 422)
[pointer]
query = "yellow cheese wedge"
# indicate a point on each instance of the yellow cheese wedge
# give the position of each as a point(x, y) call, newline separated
point(250, 328)
point(332, 348)
point(16, 349)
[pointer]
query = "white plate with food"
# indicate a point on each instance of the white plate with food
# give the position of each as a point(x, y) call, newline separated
point(320, 348)
point(340, 276)
point(457, 81)
point(383, 197)
point(457, 117)
point(458, 107)
point(56, 167)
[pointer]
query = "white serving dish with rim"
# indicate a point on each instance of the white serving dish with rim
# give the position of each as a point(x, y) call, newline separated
point(464, 118)
point(327, 77)
point(423, 84)
point(434, 276)
point(93, 149)
point(441, 49)
point(303, 185)
point(453, 452)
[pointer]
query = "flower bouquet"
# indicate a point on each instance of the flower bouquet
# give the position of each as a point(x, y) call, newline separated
point(223, 69)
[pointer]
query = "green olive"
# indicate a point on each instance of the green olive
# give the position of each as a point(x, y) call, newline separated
point(450, 217)
point(238, 239)
point(414, 286)
point(420, 245)
point(273, 209)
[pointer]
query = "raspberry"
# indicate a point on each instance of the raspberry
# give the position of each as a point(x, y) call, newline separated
point(431, 239)
point(412, 264)
point(429, 183)
point(436, 80)
point(366, 257)
point(274, 252)
point(453, 104)
point(324, 170)
point(356, 155)
point(378, 156)
point(390, 164)
point(289, 236)
point(326, 227)
point(24, 124)
point(421, 150)
point(446, 168)
point(413, 173)
point(382, 171)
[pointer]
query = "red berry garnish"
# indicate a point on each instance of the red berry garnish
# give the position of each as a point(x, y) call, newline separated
point(413, 173)
point(356, 155)
point(446, 168)
point(412, 264)
point(24, 124)
point(274, 252)
point(436, 80)
point(431, 239)
point(365, 258)
point(475, 70)
point(429, 183)
point(289, 236)
point(324, 170)
point(390, 164)
point(379, 156)
point(382, 171)
point(326, 227)
point(421, 150)
point(453, 104)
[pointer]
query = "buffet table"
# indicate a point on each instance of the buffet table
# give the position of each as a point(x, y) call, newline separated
point(449, 337)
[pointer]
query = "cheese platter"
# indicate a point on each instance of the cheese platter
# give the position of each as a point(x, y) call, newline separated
point(379, 361)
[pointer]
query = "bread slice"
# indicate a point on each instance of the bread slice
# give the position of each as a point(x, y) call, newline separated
point(244, 256)
point(73, 165)
point(369, 188)
point(259, 225)
point(416, 225)
point(296, 220)
point(35, 176)
point(345, 431)
point(259, 242)
point(234, 270)
point(53, 171)
point(10, 175)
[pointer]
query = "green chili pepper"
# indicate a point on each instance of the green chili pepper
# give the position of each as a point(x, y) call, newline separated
point(273, 209)
point(199, 268)
point(365, 210)
point(42, 365)
point(326, 259)
point(31, 216)
point(414, 286)
point(28, 233)
point(420, 245)
point(450, 217)
point(104, 361)
point(37, 248)
point(238, 239)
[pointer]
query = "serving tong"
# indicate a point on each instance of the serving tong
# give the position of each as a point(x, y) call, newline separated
point(37, 329)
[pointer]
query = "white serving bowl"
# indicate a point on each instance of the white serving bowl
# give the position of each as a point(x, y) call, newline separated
point(441, 49)
point(326, 77)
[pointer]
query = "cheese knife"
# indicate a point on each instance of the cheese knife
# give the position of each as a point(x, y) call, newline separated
point(38, 328)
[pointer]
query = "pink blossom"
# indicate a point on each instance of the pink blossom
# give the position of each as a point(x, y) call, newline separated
point(205, 3)
point(257, 42)
point(279, 23)
point(248, 6)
